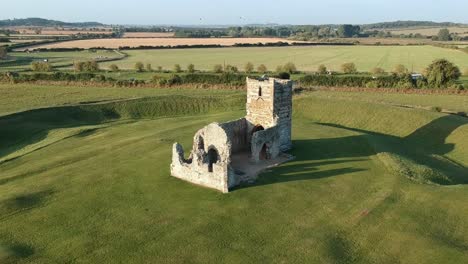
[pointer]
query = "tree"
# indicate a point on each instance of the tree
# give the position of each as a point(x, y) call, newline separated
point(284, 75)
point(348, 31)
point(218, 68)
point(191, 68)
point(378, 71)
point(279, 69)
point(177, 68)
point(114, 68)
point(400, 70)
point(78, 66)
point(322, 69)
point(442, 72)
point(149, 67)
point(444, 35)
point(262, 68)
point(91, 66)
point(290, 68)
point(3, 52)
point(40, 66)
point(160, 68)
point(139, 66)
point(249, 67)
point(348, 68)
point(232, 69)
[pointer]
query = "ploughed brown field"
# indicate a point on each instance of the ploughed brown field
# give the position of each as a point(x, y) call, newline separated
point(148, 34)
point(135, 42)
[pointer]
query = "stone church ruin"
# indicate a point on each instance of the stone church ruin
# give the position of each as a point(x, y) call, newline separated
point(228, 154)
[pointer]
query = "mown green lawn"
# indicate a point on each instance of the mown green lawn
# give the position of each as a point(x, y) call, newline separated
point(91, 183)
point(306, 58)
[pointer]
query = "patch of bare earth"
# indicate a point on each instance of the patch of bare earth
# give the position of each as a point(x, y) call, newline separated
point(136, 42)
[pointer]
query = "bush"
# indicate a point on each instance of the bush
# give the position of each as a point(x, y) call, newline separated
point(290, 67)
point(39, 66)
point(436, 109)
point(218, 68)
point(262, 68)
point(114, 68)
point(355, 81)
point(231, 69)
point(149, 67)
point(378, 71)
point(139, 66)
point(160, 68)
point(348, 68)
point(279, 69)
point(3, 52)
point(284, 75)
point(174, 79)
point(400, 70)
point(177, 68)
point(86, 66)
point(322, 69)
point(249, 67)
point(441, 73)
point(191, 68)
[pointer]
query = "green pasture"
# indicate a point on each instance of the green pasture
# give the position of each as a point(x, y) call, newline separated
point(85, 179)
point(20, 61)
point(306, 58)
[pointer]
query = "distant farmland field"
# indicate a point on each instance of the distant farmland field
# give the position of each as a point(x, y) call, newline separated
point(135, 42)
point(22, 60)
point(305, 58)
point(51, 31)
point(148, 34)
point(431, 31)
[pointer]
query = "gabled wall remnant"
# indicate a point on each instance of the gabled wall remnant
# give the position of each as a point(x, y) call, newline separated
point(228, 154)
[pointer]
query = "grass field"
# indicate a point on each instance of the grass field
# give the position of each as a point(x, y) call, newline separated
point(305, 58)
point(23, 60)
point(90, 182)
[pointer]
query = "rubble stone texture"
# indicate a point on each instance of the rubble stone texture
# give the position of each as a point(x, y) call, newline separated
point(228, 154)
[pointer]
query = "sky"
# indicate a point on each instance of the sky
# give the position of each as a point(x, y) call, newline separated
point(237, 12)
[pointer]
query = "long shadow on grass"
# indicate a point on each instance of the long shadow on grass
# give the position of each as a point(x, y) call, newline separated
point(425, 146)
point(344, 154)
point(22, 129)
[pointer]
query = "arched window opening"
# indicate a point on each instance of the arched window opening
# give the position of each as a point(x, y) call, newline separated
point(201, 143)
point(212, 159)
point(259, 91)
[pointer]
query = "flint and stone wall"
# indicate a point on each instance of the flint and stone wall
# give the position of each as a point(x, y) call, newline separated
point(269, 105)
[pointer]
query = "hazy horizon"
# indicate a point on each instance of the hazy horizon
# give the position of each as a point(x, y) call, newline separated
point(223, 12)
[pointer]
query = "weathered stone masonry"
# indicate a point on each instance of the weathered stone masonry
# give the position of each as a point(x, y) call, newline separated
point(228, 154)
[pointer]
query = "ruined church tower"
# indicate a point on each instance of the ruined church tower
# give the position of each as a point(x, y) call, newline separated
point(269, 104)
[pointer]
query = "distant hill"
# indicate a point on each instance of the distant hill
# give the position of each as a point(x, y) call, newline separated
point(41, 22)
point(406, 24)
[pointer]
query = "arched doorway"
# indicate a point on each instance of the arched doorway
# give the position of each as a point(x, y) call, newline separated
point(264, 153)
point(256, 129)
point(212, 159)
